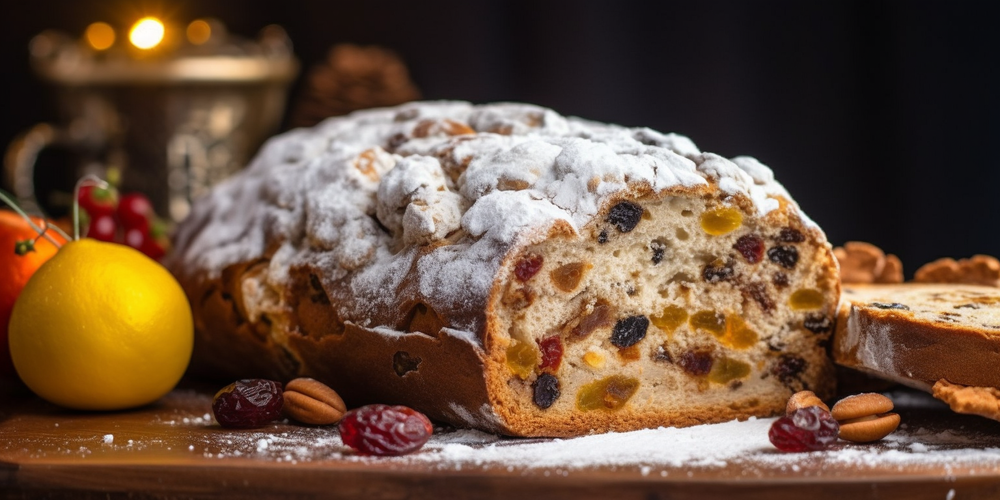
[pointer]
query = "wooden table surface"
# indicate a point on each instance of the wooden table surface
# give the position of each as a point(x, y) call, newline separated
point(174, 450)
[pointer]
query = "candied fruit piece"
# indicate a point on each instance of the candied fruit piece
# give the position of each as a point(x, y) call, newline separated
point(718, 270)
point(791, 235)
point(528, 266)
point(385, 430)
point(248, 403)
point(738, 335)
point(403, 363)
point(625, 215)
point(552, 353)
point(545, 390)
point(806, 429)
point(697, 362)
point(751, 247)
point(594, 359)
point(600, 317)
point(609, 393)
point(670, 318)
point(521, 359)
point(722, 220)
point(567, 277)
point(710, 321)
point(629, 331)
point(785, 256)
point(806, 299)
point(630, 353)
point(727, 369)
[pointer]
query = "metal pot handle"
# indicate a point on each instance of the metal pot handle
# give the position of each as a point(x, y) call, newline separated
point(20, 158)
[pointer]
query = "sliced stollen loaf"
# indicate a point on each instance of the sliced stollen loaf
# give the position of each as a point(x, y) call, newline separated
point(507, 268)
point(934, 337)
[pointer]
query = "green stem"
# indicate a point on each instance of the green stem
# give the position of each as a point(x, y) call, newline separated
point(10, 202)
point(87, 180)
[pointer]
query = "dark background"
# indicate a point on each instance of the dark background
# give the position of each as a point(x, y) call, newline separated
point(881, 117)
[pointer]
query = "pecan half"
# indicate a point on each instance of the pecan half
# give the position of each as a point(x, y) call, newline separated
point(312, 402)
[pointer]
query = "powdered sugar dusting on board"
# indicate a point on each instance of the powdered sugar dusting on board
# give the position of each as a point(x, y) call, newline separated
point(443, 188)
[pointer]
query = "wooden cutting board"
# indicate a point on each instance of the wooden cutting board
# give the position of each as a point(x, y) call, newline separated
point(173, 449)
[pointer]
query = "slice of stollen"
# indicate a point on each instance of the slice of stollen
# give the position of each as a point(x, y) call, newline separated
point(923, 335)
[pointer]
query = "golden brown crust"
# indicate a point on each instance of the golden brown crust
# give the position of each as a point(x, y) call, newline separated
point(891, 343)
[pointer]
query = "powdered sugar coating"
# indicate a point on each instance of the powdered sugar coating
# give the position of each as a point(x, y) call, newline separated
point(445, 188)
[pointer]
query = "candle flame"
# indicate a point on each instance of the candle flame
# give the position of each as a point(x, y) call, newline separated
point(100, 36)
point(146, 33)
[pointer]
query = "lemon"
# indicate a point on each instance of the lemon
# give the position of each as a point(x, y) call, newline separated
point(100, 326)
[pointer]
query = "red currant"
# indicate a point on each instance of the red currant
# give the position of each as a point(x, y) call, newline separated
point(385, 430)
point(248, 403)
point(806, 429)
point(102, 227)
point(98, 201)
point(135, 211)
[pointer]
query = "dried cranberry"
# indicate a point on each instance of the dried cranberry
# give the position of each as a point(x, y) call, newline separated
point(697, 362)
point(718, 271)
point(528, 266)
point(788, 367)
point(806, 429)
point(545, 390)
point(785, 256)
point(625, 216)
point(552, 352)
point(629, 331)
point(817, 323)
point(789, 235)
point(385, 430)
point(248, 403)
point(751, 247)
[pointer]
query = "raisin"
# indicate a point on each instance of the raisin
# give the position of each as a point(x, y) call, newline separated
point(781, 280)
point(788, 368)
point(552, 353)
point(625, 216)
point(751, 247)
point(726, 370)
point(403, 363)
point(806, 429)
point(545, 390)
point(785, 256)
point(385, 430)
point(790, 235)
point(629, 331)
point(890, 305)
point(248, 403)
point(600, 317)
point(670, 318)
point(710, 321)
point(697, 362)
point(528, 266)
point(718, 270)
point(602, 238)
point(817, 323)
point(658, 250)
point(758, 292)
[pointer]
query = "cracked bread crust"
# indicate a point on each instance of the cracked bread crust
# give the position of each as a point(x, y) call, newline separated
point(433, 305)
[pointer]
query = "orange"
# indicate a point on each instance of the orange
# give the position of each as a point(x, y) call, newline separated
point(15, 270)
